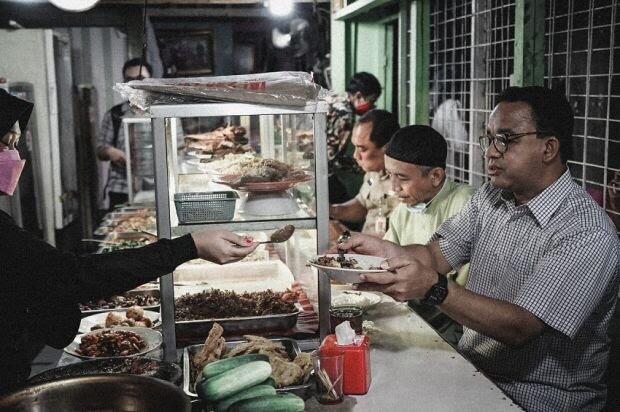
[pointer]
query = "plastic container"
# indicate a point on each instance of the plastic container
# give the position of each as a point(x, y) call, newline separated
point(357, 376)
point(202, 207)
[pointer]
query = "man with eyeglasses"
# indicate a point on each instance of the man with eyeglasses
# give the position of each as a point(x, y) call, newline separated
point(111, 142)
point(544, 263)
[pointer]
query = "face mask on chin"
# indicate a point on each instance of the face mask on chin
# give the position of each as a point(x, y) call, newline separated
point(362, 108)
point(11, 167)
point(418, 207)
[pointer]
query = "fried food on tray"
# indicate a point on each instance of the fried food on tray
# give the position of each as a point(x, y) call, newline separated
point(258, 344)
point(111, 343)
point(213, 348)
point(304, 361)
point(285, 373)
point(218, 304)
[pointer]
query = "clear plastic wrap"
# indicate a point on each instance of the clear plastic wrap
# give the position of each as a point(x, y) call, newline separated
point(276, 88)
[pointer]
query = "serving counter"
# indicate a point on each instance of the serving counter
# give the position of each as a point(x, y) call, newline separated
point(414, 369)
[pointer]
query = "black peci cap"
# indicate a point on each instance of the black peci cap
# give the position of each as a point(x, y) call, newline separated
point(419, 145)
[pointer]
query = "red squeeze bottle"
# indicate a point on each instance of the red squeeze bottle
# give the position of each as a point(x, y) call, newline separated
point(356, 363)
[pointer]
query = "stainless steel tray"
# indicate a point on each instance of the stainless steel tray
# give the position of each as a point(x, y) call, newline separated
point(146, 292)
point(122, 236)
point(198, 330)
point(304, 391)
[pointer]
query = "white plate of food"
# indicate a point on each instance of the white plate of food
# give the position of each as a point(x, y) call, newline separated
point(363, 300)
point(114, 342)
point(130, 317)
point(350, 270)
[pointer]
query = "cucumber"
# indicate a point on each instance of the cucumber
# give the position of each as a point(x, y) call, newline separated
point(269, 381)
point(253, 392)
point(273, 403)
point(234, 380)
point(215, 368)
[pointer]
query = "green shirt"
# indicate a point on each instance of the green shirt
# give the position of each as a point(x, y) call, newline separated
point(407, 228)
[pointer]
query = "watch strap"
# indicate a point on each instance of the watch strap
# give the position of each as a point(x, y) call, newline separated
point(438, 292)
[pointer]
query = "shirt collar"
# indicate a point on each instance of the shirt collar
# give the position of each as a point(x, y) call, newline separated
point(443, 192)
point(545, 204)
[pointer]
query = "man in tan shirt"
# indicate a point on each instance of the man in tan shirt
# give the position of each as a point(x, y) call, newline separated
point(373, 203)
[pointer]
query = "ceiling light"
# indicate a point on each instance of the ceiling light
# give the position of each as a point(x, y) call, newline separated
point(280, 8)
point(74, 5)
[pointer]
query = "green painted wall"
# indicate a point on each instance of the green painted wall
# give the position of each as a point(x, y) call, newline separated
point(366, 42)
point(338, 54)
point(370, 53)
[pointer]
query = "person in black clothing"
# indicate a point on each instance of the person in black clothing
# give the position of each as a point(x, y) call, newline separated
point(111, 142)
point(42, 286)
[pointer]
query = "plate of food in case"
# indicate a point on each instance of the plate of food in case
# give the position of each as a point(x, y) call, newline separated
point(262, 175)
point(349, 270)
point(115, 342)
point(134, 316)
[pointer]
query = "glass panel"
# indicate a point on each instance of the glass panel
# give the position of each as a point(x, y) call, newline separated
point(243, 168)
point(139, 155)
point(251, 174)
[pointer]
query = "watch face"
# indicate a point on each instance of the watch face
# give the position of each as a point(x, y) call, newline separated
point(438, 292)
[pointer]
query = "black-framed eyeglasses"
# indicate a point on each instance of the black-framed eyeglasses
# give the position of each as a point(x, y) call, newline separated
point(500, 140)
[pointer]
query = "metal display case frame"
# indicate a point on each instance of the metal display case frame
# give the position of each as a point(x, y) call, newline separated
point(129, 122)
point(160, 114)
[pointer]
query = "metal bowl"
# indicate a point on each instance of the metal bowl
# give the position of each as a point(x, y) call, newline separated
point(155, 368)
point(125, 393)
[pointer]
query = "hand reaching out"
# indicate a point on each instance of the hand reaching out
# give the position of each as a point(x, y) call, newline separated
point(222, 246)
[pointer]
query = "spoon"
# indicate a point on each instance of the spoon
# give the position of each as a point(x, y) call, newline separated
point(346, 235)
point(281, 235)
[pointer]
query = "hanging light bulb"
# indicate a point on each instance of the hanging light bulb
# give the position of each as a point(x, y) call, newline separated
point(280, 8)
point(74, 5)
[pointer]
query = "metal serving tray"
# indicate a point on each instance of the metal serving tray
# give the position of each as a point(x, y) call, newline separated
point(121, 236)
point(198, 330)
point(304, 391)
point(145, 292)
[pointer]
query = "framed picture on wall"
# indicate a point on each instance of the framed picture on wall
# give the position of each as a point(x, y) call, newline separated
point(186, 53)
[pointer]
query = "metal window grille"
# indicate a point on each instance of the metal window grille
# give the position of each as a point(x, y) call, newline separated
point(407, 72)
point(471, 60)
point(582, 56)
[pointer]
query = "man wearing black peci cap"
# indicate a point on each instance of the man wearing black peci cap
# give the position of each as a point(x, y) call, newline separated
point(415, 159)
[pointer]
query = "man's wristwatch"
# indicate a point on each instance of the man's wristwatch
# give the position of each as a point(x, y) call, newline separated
point(438, 292)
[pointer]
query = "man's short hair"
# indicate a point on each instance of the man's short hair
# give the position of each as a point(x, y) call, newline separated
point(419, 145)
point(551, 112)
point(136, 62)
point(365, 83)
point(384, 125)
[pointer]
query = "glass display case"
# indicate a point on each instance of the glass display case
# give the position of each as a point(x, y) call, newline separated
point(251, 169)
point(139, 160)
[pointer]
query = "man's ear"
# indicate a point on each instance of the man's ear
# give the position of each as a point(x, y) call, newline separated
point(437, 175)
point(552, 149)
